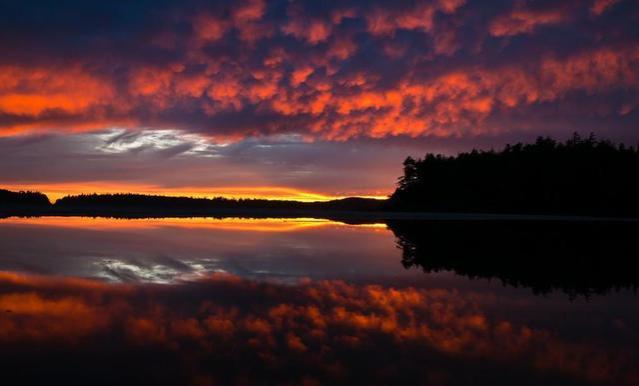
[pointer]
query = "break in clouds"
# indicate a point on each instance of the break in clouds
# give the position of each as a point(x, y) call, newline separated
point(322, 70)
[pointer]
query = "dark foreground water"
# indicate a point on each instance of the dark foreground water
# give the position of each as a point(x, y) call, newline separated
point(314, 302)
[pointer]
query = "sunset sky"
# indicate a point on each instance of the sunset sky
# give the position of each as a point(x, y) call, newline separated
point(297, 99)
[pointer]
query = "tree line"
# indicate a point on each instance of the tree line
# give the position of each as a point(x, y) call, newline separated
point(123, 204)
point(583, 176)
point(23, 199)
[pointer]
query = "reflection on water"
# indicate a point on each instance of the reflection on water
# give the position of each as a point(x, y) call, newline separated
point(579, 258)
point(226, 330)
point(170, 250)
point(231, 223)
point(303, 303)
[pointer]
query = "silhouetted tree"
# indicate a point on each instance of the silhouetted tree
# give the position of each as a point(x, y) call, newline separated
point(579, 176)
point(158, 205)
point(22, 200)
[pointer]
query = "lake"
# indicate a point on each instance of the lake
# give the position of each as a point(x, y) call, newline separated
point(205, 301)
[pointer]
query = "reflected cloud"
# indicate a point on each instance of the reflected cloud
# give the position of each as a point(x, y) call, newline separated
point(226, 223)
point(328, 332)
point(179, 249)
point(139, 272)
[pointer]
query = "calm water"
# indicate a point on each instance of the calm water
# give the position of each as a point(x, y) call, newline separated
point(309, 302)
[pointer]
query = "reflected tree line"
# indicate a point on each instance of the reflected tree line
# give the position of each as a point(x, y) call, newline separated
point(578, 258)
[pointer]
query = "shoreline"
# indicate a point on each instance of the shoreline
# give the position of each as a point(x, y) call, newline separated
point(340, 215)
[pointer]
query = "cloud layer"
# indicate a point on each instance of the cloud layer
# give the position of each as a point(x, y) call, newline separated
point(329, 70)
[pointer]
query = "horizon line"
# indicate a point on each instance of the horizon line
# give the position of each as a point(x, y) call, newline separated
point(293, 195)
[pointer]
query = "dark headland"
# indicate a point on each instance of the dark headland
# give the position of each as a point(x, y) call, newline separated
point(582, 178)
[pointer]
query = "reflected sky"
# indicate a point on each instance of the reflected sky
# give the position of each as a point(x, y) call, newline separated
point(169, 250)
point(228, 330)
point(283, 302)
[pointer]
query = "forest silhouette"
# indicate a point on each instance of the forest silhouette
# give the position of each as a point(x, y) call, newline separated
point(582, 176)
point(23, 200)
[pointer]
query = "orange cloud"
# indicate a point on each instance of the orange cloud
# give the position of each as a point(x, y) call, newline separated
point(249, 10)
point(192, 86)
point(521, 21)
point(34, 91)
point(383, 21)
point(300, 75)
point(314, 31)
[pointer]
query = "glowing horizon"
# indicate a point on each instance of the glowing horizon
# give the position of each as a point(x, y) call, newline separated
point(56, 191)
point(228, 223)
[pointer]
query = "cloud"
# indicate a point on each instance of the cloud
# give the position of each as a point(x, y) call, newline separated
point(170, 161)
point(600, 6)
point(331, 71)
point(522, 20)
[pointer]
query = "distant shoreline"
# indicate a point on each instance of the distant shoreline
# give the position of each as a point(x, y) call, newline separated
point(348, 216)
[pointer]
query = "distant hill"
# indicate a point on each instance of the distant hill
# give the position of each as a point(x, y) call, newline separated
point(576, 177)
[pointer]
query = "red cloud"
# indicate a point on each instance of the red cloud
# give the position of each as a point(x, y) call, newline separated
point(522, 20)
point(249, 10)
point(384, 21)
point(33, 92)
point(210, 28)
point(600, 6)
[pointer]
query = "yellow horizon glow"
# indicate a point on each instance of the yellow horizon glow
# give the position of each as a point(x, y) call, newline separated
point(229, 223)
point(55, 191)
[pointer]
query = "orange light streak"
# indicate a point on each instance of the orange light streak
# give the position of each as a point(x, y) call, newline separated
point(55, 191)
point(231, 223)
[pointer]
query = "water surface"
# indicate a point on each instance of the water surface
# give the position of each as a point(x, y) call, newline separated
point(311, 301)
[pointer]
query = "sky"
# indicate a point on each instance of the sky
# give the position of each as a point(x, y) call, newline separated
point(308, 99)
